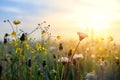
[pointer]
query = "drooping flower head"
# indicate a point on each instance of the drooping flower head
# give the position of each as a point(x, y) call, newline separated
point(43, 32)
point(16, 22)
point(81, 36)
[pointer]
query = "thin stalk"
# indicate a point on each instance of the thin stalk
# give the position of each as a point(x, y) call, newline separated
point(10, 25)
point(71, 58)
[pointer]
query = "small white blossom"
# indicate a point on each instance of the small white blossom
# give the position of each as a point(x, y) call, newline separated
point(78, 56)
point(63, 59)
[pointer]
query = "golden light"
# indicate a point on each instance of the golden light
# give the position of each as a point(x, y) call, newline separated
point(90, 18)
point(98, 22)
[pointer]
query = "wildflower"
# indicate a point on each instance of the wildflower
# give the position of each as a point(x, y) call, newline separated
point(60, 47)
point(43, 32)
point(116, 57)
point(23, 58)
point(81, 36)
point(44, 64)
point(117, 60)
point(100, 49)
point(18, 50)
point(58, 37)
point(16, 22)
point(63, 60)
point(28, 63)
point(15, 43)
point(78, 56)
point(42, 48)
point(38, 46)
point(13, 33)
point(32, 51)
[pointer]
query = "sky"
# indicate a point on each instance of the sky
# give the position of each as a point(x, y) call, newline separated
point(66, 17)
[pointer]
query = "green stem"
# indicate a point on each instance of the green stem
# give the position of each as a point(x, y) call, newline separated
point(70, 59)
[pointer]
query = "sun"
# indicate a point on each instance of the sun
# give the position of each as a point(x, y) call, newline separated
point(98, 22)
point(90, 18)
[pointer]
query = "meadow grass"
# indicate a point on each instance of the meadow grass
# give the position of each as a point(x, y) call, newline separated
point(24, 58)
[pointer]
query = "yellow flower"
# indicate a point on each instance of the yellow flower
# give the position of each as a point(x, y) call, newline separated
point(18, 50)
point(23, 58)
point(32, 51)
point(38, 46)
point(24, 43)
point(43, 48)
point(27, 46)
point(16, 22)
point(58, 37)
point(93, 72)
point(81, 36)
point(43, 32)
point(116, 57)
point(100, 48)
point(13, 33)
point(15, 43)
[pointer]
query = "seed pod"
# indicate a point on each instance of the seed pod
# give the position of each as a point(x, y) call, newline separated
point(54, 56)
point(28, 63)
point(6, 38)
point(5, 41)
point(60, 47)
point(70, 53)
point(44, 63)
point(23, 37)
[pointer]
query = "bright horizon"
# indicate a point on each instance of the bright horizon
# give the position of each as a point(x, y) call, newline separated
point(65, 17)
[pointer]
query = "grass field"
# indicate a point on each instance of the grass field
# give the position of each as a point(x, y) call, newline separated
point(51, 58)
